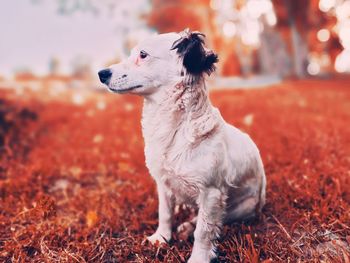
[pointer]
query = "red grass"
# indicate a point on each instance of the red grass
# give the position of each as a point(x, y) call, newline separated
point(74, 188)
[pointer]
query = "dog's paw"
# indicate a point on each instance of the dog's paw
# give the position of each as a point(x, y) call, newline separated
point(202, 254)
point(158, 239)
point(185, 230)
point(198, 259)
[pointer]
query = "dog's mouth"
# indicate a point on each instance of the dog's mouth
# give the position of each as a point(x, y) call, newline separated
point(124, 90)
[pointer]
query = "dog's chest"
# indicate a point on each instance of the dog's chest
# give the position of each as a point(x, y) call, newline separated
point(182, 187)
point(171, 164)
point(168, 158)
point(173, 145)
point(179, 177)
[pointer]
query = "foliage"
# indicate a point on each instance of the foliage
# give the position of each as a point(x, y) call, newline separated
point(81, 193)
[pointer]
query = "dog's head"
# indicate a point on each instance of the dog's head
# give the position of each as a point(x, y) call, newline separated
point(161, 60)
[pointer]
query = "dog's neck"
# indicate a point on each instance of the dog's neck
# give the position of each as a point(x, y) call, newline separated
point(180, 98)
point(180, 108)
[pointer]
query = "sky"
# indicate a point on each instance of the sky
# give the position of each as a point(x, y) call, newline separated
point(32, 34)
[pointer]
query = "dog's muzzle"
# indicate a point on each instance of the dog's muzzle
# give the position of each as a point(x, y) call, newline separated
point(105, 75)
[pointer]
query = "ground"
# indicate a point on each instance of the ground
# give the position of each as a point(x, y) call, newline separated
point(74, 187)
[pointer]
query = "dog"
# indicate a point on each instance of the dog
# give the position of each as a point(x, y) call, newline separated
point(194, 156)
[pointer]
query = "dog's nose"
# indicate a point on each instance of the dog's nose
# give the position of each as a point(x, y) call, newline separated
point(105, 75)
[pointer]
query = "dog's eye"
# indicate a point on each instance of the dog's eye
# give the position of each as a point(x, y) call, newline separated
point(143, 54)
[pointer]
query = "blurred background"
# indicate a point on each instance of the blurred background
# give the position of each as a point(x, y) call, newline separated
point(63, 43)
point(73, 181)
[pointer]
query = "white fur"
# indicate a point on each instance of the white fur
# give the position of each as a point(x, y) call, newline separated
point(194, 156)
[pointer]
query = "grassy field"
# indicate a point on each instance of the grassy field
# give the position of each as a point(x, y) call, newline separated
point(74, 187)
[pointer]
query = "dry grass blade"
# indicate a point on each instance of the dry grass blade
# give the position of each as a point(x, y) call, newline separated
point(74, 186)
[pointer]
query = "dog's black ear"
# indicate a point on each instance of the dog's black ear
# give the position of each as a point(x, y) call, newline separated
point(195, 59)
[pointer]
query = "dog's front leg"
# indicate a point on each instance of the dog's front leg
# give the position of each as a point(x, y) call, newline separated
point(165, 212)
point(209, 222)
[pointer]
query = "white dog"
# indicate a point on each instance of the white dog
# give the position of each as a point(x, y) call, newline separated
point(194, 156)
